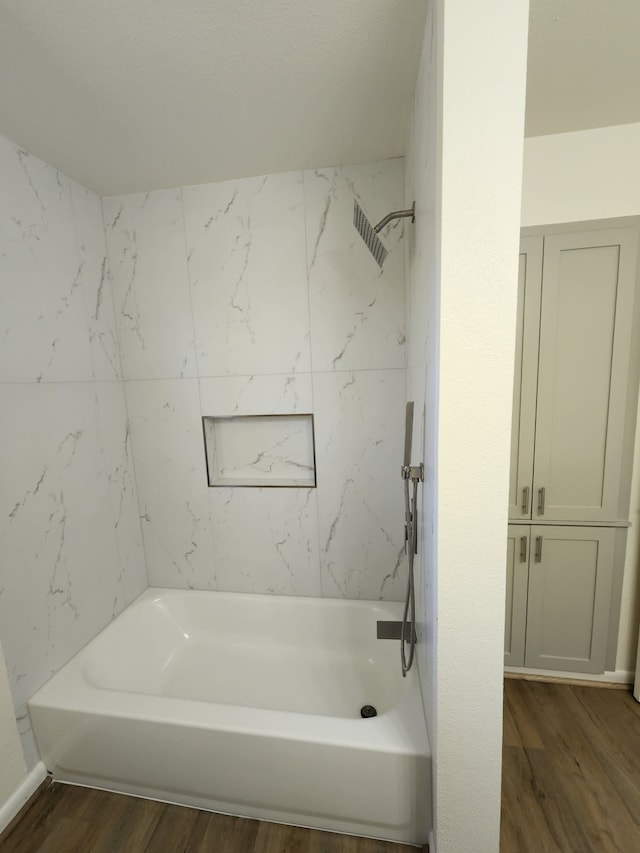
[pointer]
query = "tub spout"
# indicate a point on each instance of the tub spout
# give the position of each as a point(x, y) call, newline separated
point(390, 630)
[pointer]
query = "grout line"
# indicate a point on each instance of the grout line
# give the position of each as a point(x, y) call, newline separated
point(230, 376)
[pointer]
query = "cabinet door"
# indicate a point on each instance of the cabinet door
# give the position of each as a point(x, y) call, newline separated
point(516, 594)
point(585, 337)
point(525, 378)
point(570, 575)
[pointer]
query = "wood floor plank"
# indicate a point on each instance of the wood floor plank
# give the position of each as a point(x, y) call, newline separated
point(68, 834)
point(581, 791)
point(510, 733)
point(605, 820)
point(227, 834)
point(615, 744)
point(72, 819)
point(173, 830)
point(535, 811)
point(277, 838)
point(38, 822)
point(130, 830)
point(526, 730)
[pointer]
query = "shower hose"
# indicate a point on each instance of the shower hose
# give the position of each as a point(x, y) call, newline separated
point(408, 637)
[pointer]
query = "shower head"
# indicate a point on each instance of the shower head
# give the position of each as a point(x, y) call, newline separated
point(369, 233)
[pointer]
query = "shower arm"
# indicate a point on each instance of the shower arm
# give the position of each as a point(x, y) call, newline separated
point(396, 214)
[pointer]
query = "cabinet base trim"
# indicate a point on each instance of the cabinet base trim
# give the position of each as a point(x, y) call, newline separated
point(620, 679)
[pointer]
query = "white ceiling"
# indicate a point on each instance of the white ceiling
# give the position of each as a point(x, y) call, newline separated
point(128, 95)
point(584, 65)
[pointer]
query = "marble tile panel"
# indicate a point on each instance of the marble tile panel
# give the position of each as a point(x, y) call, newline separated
point(356, 309)
point(280, 554)
point(266, 540)
point(116, 463)
point(257, 395)
point(359, 449)
point(60, 581)
point(171, 478)
point(43, 329)
point(92, 252)
point(247, 266)
point(148, 270)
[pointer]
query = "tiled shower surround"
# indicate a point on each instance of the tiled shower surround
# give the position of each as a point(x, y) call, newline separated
point(71, 547)
point(249, 297)
point(256, 297)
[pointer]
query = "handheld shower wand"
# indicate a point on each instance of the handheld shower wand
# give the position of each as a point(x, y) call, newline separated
point(415, 474)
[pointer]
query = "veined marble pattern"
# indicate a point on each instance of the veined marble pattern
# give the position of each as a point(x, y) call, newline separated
point(69, 527)
point(116, 456)
point(168, 448)
point(266, 540)
point(257, 395)
point(43, 329)
point(357, 310)
point(148, 269)
point(247, 267)
point(61, 528)
point(359, 451)
point(92, 253)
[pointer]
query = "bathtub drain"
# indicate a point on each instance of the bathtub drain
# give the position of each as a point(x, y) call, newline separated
point(368, 711)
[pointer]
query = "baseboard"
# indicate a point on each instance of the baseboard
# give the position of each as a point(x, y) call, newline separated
point(21, 795)
point(619, 679)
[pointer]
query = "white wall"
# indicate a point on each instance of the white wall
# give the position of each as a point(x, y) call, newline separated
point(70, 542)
point(258, 296)
point(422, 170)
point(469, 118)
point(589, 174)
point(11, 760)
point(570, 177)
point(483, 90)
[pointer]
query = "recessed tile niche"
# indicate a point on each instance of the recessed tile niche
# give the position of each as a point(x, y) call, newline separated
point(260, 450)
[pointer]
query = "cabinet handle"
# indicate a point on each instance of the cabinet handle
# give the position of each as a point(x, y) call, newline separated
point(525, 500)
point(538, 555)
point(541, 496)
point(523, 549)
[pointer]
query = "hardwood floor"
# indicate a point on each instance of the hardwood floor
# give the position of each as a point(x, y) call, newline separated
point(570, 784)
point(571, 769)
point(68, 819)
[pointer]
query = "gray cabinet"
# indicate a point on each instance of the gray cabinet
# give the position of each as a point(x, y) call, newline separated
point(558, 596)
point(573, 394)
point(516, 594)
point(576, 294)
point(525, 378)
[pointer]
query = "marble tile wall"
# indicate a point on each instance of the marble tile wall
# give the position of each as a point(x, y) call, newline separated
point(257, 296)
point(71, 545)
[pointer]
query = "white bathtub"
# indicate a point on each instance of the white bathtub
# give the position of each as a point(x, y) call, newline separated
point(249, 705)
